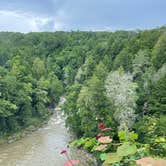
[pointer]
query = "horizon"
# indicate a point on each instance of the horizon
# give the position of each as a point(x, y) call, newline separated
point(70, 31)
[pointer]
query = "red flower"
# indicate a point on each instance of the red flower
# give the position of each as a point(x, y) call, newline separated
point(101, 126)
point(99, 135)
point(63, 151)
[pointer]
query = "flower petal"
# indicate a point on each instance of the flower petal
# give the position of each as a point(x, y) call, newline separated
point(105, 140)
point(106, 129)
point(101, 147)
point(101, 126)
point(64, 151)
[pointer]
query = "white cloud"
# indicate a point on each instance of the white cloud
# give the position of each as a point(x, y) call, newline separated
point(58, 26)
point(59, 20)
point(23, 22)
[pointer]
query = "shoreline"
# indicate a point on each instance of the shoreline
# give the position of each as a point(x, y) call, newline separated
point(10, 138)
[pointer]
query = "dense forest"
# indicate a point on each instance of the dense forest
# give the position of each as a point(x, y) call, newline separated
point(114, 83)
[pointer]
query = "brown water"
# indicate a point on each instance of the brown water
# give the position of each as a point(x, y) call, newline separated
point(42, 147)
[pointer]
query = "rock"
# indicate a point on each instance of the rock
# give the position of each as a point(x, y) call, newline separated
point(11, 139)
point(31, 128)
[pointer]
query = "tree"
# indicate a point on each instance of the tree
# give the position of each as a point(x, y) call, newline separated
point(121, 90)
point(159, 52)
point(124, 59)
point(38, 68)
point(92, 103)
point(55, 89)
point(140, 63)
point(157, 97)
point(73, 120)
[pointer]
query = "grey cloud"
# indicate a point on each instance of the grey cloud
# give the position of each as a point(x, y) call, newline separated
point(92, 14)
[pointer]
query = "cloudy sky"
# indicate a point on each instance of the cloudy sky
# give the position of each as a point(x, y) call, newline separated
point(53, 15)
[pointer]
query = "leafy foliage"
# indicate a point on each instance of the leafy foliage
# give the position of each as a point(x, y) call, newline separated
point(114, 79)
point(126, 149)
point(112, 158)
point(122, 93)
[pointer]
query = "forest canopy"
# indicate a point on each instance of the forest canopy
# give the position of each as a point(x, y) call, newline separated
point(119, 75)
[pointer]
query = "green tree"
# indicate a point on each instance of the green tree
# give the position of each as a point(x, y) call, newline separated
point(159, 52)
point(121, 90)
point(92, 103)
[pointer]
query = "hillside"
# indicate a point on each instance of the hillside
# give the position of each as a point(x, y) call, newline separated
point(115, 79)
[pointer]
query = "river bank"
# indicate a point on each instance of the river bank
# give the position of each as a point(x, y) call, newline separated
point(10, 138)
point(21, 134)
point(43, 146)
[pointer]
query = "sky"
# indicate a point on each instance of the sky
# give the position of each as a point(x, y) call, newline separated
point(86, 15)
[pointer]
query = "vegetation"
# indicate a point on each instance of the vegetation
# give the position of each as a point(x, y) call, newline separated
point(114, 80)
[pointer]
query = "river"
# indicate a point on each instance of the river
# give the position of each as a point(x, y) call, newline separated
point(43, 147)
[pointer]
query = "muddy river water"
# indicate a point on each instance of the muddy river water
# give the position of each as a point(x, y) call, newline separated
point(43, 147)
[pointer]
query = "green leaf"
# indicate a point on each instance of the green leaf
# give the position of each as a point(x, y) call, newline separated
point(89, 143)
point(126, 149)
point(160, 139)
point(112, 158)
point(103, 156)
point(121, 135)
point(133, 136)
point(73, 143)
point(81, 141)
